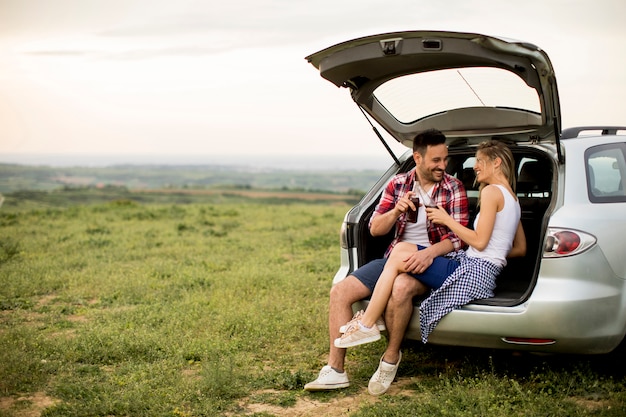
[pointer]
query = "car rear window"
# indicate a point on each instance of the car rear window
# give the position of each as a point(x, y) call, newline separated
point(415, 96)
point(606, 173)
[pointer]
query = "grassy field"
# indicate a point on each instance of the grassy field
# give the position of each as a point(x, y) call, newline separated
point(219, 309)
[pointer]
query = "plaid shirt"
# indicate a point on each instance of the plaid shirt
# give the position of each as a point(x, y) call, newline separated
point(449, 193)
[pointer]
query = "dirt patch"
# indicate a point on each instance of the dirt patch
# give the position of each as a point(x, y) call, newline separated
point(592, 405)
point(46, 300)
point(308, 196)
point(28, 406)
point(308, 406)
point(76, 318)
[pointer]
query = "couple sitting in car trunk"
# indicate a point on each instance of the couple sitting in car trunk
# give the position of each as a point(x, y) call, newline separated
point(426, 254)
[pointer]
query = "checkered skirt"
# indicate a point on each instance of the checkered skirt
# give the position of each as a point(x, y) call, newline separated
point(475, 278)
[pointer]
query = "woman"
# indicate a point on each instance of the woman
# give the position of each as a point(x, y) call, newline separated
point(465, 275)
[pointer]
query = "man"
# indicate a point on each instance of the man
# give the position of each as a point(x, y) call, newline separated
point(433, 185)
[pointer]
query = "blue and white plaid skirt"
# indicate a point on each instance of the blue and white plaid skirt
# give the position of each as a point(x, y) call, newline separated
point(473, 279)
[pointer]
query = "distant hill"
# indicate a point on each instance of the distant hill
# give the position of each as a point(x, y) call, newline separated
point(17, 177)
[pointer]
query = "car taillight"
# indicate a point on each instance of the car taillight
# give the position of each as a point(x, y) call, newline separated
point(566, 242)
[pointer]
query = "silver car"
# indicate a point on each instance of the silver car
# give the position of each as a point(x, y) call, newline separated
point(568, 294)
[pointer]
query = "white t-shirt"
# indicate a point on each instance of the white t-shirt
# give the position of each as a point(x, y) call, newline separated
point(503, 233)
point(417, 232)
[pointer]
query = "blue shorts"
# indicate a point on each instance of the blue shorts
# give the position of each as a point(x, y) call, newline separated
point(433, 277)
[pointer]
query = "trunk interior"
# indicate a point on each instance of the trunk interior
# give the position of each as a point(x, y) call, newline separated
point(534, 190)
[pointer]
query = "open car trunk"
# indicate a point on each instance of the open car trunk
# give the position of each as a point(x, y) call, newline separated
point(534, 190)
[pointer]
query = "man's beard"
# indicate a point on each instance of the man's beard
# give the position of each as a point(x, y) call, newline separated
point(435, 175)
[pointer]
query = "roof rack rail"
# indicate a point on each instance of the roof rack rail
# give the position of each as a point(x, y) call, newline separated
point(573, 132)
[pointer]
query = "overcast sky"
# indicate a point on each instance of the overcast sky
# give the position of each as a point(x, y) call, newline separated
point(223, 77)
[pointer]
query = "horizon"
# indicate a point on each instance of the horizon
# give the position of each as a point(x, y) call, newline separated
point(279, 162)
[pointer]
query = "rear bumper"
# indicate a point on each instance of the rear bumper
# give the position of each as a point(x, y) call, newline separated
point(579, 317)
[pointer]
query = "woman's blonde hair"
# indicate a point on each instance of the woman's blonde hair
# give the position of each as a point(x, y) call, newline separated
point(493, 149)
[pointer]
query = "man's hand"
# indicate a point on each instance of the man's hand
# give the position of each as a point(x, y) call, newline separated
point(405, 203)
point(382, 224)
point(419, 261)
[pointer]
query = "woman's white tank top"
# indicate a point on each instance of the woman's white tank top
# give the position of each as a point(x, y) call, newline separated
point(503, 233)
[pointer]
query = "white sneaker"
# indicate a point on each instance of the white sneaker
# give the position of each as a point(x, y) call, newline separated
point(379, 323)
point(383, 377)
point(328, 379)
point(357, 334)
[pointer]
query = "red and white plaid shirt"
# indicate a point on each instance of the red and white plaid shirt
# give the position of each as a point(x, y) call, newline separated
point(449, 193)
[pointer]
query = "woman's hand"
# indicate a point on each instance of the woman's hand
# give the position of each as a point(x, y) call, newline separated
point(438, 215)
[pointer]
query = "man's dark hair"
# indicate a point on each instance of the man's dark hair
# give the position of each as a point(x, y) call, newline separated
point(429, 137)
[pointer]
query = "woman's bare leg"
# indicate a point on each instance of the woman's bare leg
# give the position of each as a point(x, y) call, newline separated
point(393, 267)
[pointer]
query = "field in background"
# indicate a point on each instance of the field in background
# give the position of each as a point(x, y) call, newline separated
point(67, 197)
point(15, 178)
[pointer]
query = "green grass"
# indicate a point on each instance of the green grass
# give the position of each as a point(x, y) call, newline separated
point(124, 309)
